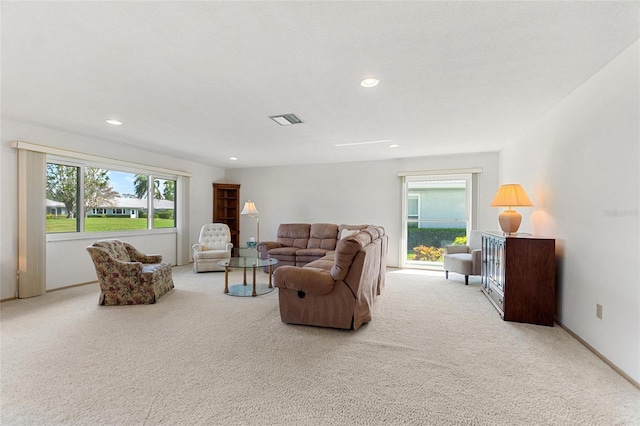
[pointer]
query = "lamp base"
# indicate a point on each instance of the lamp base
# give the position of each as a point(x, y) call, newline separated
point(510, 221)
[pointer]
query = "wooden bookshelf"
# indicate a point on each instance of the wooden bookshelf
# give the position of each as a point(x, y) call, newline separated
point(226, 208)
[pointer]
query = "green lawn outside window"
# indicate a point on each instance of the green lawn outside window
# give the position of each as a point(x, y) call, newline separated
point(105, 224)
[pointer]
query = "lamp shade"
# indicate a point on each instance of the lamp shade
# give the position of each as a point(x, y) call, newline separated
point(511, 195)
point(249, 208)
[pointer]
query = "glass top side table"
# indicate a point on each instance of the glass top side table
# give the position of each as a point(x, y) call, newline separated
point(245, 251)
point(245, 263)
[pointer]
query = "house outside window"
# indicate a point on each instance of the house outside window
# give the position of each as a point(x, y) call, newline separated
point(413, 206)
point(437, 214)
point(83, 198)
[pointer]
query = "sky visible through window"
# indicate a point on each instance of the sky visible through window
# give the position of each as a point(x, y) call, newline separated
point(122, 182)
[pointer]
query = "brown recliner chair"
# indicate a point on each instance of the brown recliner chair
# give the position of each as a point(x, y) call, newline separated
point(337, 290)
point(465, 260)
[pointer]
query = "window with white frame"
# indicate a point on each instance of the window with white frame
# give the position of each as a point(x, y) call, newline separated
point(438, 212)
point(102, 199)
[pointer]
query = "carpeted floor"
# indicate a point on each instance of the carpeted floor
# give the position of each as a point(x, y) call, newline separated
point(435, 353)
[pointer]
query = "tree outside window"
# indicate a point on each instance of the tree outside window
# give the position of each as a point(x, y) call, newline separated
point(111, 200)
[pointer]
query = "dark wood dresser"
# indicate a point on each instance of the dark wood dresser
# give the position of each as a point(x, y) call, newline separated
point(519, 276)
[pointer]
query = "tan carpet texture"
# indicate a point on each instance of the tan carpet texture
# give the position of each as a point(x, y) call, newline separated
point(435, 353)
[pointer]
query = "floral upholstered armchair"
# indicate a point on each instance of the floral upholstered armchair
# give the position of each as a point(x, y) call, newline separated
point(128, 276)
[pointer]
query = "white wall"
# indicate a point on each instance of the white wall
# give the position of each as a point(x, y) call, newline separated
point(351, 193)
point(67, 261)
point(62, 254)
point(581, 166)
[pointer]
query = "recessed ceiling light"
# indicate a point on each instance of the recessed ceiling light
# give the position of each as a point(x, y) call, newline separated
point(286, 119)
point(114, 122)
point(370, 82)
point(233, 158)
point(395, 145)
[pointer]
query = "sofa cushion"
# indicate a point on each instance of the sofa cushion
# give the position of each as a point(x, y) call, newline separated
point(294, 234)
point(345, 252)
point(283, 251)
point(312, 252)
point(373, 231)
point(304, 256)
point(285, 255)
point(459, 262)
point(346, 232)
point(154, 267)
point(211, 254)
point(323, 235)
point(351, 227)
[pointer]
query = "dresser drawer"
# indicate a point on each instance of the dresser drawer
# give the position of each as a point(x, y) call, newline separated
point(496, 296)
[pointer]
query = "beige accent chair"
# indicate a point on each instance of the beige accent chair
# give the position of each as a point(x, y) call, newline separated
point(213, 246)
point(465, 260)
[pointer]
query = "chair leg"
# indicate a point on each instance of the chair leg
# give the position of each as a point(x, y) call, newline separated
point(466, 280)
point(446, 275)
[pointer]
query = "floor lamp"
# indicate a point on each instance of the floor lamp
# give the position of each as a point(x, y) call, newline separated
point(250, 210)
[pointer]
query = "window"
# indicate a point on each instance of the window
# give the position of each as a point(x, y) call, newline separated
point(437, 214)
point(111, 200)
point(62, 198)
point(164, 203)
point(40, 167)
point(413, 206)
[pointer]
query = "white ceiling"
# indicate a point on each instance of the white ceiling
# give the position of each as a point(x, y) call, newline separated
point(198, 80)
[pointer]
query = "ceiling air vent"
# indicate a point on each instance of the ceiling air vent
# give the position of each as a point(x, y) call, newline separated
point(286, 119)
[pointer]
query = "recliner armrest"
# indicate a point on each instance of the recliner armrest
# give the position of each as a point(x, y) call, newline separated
point(456, 249)
point(310, 280)
point(265, 246)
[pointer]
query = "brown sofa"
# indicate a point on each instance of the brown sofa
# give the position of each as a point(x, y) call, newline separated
point(300, 243)
point(339, 289)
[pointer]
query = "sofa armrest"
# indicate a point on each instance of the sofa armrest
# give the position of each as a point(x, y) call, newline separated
point(265, 246)
point(310, 280)
point(456, 249)
point(137, 256)
point(197, 247)
point(129, 268)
